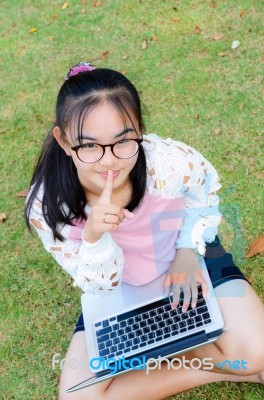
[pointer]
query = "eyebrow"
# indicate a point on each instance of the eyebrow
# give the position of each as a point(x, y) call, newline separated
point(116, 136)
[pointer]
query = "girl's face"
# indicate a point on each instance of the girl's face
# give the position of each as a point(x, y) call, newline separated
point(104, 125)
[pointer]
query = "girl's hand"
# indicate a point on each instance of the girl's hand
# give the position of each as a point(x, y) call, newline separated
point(184, 274)
point(105, 217)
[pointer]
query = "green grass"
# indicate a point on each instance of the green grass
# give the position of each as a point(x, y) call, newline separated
point(190, 93)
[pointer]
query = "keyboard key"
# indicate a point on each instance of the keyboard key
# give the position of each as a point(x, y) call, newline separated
point(143, 338)
point(165, 315)
point(199, 324)
point(166, 336)
point(206, 316)
point(198, 318)
point(146, 330)
point(159, 332)
point(116, 340)
point(161, 324)
point(167, 307)
point(192, 313)
point(191, 327)
point(135, 326)
point(103, 331)
point(113, 349)
point(142, 324)
point(129, 343)
point(151, 335)
point(102, 338)
point(190, 321)
point(105, 323)
point(115, 327)
point(104, 352)
point(185, 316)
point(123, 324)
point(130, 321)
point(136, 341)
point(121, 346)
point(207, 321)
point(169, 321)
point(112, 355)
point(151, 341)
point(123, 338)
point(158, 318)
point(108, 343)
point(183, 330)
point(175, 327)
point(202, 310)
point(143, 344)
point(182, 324)
point(113, 335)
point(158, 338)
point(127, 350)
point(118, 353)
point(160, 310)
point(153, 313)
point(174, 333)
point(128, 329)
point(137, 318)
point(112, 319)
point(150, 321)
point(131, 335)
point(134, 347)
point(120, 332)
point(166, 330)
point(173, 313)
point(97, 324)
point(101, 346)
point(177, 319)
point(138, 332)
point(154, 327)
point(145, 315)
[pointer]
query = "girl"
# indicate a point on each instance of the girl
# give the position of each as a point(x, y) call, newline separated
point(112, 204)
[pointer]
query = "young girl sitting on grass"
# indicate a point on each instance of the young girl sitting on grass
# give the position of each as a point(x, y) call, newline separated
point(99, 187)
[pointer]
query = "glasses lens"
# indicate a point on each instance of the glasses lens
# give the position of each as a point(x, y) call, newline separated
point(91, 152)
point(125, 148)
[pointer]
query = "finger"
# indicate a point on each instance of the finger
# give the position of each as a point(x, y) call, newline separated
point(106, 194)
point(201, 280)
point(167, 285)
point(187, 297)
point(112, 219)
point(128, 214)
point(176, 296)
point(194, 294)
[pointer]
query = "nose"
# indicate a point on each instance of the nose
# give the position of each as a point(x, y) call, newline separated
point(108, 158)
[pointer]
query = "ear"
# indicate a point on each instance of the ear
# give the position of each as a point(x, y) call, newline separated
point(61, 141)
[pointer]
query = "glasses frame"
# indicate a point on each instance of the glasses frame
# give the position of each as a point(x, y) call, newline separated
point(76, 148)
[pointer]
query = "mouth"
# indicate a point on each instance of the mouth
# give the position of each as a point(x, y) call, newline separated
point(104, 174)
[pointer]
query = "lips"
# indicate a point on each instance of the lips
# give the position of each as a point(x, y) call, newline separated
point(105, 173)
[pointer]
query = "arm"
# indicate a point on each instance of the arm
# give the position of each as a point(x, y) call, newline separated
point(95, 267)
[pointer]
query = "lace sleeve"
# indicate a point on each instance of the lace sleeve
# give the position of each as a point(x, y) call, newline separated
point(179, 170)
point(95, 268)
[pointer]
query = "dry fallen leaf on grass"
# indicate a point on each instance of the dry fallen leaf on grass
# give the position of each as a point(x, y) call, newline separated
point(23, 193)
point(175, 19)
point(257, 246)
point(218, 36)
point(97, 3)
point(144, 44)
point(64, 6)
point(197, 29)
point(32, 30)
point(222, 53)
point(3, 217)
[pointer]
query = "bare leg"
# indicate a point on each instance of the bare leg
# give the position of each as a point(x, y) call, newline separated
point(159, 384)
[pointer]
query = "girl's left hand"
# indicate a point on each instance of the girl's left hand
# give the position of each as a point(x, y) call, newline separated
point(184, 274)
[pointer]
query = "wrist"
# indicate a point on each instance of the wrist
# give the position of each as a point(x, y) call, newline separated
point(90, 238)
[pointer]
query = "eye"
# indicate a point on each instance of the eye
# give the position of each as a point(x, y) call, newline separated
point(124, 141)
point(89, 146)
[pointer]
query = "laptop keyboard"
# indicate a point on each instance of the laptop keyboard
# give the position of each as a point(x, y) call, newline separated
point(144, 326)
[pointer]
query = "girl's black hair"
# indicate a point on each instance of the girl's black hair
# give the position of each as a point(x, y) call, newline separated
point(64, 197)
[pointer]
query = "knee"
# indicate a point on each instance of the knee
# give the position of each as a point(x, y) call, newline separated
point(251, 360)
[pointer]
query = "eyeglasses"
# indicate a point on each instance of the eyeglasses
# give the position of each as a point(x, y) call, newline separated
point(92, 152)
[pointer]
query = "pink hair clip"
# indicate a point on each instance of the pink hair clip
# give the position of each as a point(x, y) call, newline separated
point(78, 68)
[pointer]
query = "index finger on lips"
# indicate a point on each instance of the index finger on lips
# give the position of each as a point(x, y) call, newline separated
point(106, 194)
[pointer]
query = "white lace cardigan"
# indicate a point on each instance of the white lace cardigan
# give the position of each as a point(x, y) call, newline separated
point(174, 170)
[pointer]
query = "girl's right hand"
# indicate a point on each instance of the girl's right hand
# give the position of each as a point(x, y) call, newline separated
point(105, 217)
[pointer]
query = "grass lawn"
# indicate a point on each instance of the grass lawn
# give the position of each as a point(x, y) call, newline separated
point(195, 88)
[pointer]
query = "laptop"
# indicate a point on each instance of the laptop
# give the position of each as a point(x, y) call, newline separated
point(137, 323)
